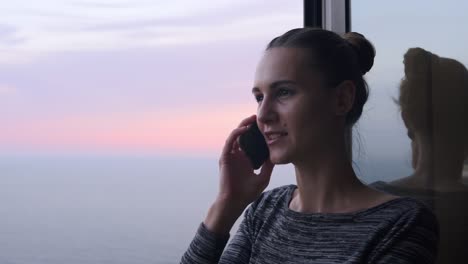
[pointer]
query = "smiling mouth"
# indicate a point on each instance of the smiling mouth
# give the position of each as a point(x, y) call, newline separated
point(274, 137)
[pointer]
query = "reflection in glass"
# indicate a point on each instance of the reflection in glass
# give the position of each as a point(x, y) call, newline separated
point(433, 101)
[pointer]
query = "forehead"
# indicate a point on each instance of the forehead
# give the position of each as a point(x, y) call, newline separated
point(282, 64)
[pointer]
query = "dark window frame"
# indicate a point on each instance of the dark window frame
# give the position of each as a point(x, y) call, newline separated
point(316, 15)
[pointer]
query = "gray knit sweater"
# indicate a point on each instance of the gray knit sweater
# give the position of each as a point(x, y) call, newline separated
point(402, 230)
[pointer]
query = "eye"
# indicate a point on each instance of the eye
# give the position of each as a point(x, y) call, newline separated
point(258, 98)
point(283, 92)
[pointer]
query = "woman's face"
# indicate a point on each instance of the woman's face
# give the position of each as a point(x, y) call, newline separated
point(295, 112)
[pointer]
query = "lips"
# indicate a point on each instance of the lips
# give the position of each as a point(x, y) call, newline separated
point(273, 136)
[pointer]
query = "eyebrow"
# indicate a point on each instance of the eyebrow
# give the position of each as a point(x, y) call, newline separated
point(275, 85)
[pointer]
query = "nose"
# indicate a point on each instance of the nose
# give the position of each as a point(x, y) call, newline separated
point(266, 112)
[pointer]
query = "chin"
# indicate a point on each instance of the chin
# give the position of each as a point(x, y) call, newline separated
point(279, 158)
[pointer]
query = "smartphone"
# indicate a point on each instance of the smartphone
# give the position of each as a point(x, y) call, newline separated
point(254, 145)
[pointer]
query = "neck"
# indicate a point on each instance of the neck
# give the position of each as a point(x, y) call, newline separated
point(326, 182)
point(438, 166)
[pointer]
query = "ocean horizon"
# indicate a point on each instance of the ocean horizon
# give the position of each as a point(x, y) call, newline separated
point(117, 209)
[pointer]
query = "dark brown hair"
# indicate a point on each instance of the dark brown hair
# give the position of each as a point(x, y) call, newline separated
point(337, 58)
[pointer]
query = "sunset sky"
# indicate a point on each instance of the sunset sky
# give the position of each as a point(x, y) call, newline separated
point(141, 76)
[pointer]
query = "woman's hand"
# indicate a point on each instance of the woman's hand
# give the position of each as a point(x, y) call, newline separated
point(239, 183)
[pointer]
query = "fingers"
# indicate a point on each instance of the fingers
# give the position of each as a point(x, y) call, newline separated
point(232, 143)
point(267, 169)
point(265, 173)
point(228, 146)
point(247, 121)
point(236, 145)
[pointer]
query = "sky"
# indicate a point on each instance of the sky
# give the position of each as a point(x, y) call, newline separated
point(130, 76)
point(174, 77)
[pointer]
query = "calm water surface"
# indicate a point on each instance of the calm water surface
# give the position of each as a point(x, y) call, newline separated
point(87, 210)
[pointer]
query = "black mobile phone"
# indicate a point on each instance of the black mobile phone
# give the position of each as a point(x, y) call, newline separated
point(254, 145)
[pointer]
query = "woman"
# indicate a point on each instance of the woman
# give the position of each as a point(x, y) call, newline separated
point(310, 91)
point(439, 145)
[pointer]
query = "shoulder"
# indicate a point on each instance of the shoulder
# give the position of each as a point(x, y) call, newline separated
point(407, 204)
point(406, 209)
point(275, 195)
point(407, 217)
point(408, 229)
point(419, 214)
point(398, 217)
point(280, 191)
point(423, 195)
point(271, 201)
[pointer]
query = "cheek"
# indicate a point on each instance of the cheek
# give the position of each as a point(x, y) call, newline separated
point(306, 118)
point(312, 117)
point(302, 125)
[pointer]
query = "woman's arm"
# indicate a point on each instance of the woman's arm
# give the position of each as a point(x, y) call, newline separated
point(208, 245)
point(239, 186)
point(205, 248)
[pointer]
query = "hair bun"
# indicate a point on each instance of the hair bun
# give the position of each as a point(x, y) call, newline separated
point(363, 48)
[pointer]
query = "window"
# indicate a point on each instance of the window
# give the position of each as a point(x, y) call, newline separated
point(108, 108)
point(423, 156)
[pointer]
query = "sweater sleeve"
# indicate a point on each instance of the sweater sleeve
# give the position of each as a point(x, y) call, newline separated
point(207, 247)
point(415, 242)
point(240, 247)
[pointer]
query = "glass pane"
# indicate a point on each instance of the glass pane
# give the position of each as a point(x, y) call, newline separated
point(110, 109)
point(414, 129)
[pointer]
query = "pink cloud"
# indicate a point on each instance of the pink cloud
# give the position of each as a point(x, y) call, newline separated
point(196, 130)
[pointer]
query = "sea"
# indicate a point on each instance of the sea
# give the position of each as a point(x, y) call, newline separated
point(118, 209)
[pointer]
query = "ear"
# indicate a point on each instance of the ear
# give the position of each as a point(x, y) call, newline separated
point(344, 97)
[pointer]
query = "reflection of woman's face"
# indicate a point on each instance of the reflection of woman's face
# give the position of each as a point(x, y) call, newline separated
point(294, 111)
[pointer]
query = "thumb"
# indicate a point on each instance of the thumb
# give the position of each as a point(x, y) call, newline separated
point(266, 170)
